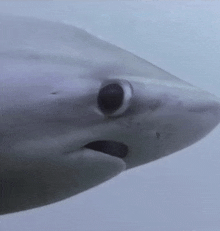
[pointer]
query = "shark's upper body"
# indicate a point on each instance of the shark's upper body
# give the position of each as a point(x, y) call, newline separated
point(76, 111)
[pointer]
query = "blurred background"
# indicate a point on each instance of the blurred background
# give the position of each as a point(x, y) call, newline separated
point(180, 192)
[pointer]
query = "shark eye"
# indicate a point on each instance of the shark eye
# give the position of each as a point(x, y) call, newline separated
point(114, 97)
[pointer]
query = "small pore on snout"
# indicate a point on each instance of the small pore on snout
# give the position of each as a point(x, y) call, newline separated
point(155, 104)
point(109, 147)
point(54, 93)
point(158, 135)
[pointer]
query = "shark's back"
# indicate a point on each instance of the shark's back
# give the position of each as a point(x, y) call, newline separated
point(30, 38)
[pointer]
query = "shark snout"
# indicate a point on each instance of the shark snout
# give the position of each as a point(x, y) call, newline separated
point(205, 106)
point(192, 114)
point(183, 114)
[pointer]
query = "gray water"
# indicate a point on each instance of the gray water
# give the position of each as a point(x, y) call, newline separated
point(177, 193)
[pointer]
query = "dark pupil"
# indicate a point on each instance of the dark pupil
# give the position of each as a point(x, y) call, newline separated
point(110, 98)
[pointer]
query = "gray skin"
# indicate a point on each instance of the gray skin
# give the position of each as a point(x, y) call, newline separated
point(50, 78)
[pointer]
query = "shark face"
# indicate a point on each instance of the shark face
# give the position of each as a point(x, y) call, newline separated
point(76, 111)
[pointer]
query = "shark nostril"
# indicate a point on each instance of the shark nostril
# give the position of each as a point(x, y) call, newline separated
point(112, 148)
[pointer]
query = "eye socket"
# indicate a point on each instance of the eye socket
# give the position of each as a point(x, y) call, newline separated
point(114, 97)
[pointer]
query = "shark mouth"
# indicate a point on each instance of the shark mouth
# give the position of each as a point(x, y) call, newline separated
point(112, 148)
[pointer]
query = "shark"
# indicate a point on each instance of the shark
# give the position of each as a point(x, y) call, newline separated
point(77, 111)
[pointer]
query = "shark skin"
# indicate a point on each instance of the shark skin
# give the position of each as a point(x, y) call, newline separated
point(77, 111)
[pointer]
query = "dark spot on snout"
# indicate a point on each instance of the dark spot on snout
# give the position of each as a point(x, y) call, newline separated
point(214, 109)
point(154, 105)
point(54, 93)
point(158, 135)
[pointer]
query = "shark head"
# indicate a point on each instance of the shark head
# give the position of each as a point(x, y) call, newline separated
point(76, 111)
point(157, 118)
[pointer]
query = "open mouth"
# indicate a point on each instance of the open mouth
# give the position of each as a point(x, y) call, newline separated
point(109, 147)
